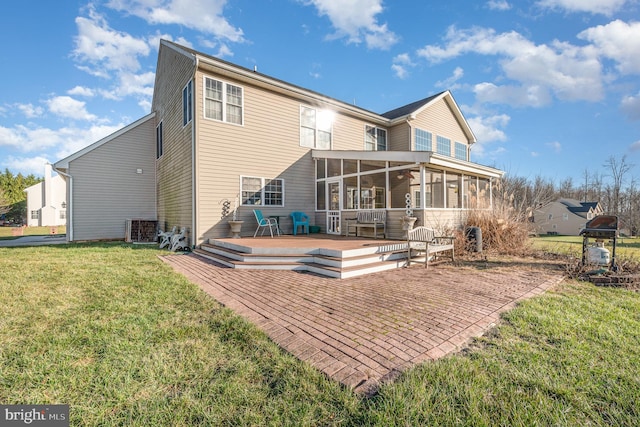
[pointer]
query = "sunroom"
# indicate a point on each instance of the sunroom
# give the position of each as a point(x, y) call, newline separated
point(437, 190)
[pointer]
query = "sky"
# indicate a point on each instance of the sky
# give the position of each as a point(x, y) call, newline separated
point(551, 88)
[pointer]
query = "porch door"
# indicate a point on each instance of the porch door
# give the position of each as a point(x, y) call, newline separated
point(333, 213)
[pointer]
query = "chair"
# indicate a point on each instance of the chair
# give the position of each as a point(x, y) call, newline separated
point(180, 241)
point(300, 219)
point(264, 223)
point(165, 237)
point(424, 239)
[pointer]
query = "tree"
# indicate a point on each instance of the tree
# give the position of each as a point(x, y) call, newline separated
point(619, 168)
point(5, 206)
point(12, 187)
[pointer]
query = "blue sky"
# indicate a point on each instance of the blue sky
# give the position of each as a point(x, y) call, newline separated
point(550, 87)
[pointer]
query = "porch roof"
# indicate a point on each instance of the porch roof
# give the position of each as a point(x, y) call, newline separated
point(427, 158)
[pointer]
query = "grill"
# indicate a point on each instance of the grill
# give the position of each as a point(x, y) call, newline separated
point(600, 228)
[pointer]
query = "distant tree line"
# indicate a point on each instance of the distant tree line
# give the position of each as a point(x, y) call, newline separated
point(617, 192)
point(13, 199)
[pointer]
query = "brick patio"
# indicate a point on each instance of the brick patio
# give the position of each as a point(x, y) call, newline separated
point(366, 330)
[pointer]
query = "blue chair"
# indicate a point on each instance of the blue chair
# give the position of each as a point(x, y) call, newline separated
point(264, 223)
point(300, 219)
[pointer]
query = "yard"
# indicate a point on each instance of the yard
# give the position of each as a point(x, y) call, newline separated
point(112, 331)
point(7, 232)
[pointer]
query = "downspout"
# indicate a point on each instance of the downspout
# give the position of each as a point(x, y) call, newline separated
point(194, 197)
point(69, 205)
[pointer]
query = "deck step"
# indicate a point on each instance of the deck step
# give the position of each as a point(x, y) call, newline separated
point(350, 264)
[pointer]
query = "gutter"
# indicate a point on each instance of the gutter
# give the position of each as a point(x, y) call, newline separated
point(194, 200)
point(69, 204)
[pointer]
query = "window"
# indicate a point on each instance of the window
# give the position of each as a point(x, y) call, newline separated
point(565, 217)
point(461, 151)
point(63, 214)
point(223, 101)
point(35, 214)
point(159, 136)
point(423, 140)
point(315, 128)
point(443, 146)
point(375, 139)
point(262, 191)
point(187, 111)
point(550, 217)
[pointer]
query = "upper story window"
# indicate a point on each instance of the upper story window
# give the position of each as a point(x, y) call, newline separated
point(223, 101)
point(159, 142)
point(423, 140)
point(187, 104)
point(375, 139)
point(443, 146)
point(262, 191)
point(35, 214)
point(315, 128)
point(461, 151)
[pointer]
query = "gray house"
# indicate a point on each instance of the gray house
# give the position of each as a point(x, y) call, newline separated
point(565, 216)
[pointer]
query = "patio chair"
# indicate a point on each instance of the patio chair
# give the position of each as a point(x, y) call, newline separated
point(300, 219)
point(165, 236)
point(179, 241)
point(264, 223)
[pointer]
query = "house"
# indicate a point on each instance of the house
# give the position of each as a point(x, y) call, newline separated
point(565, 216)
point(47, 201)
point(224, 138)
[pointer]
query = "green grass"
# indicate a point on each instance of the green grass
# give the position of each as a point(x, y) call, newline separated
point(6, 233)
point(115, 333)
point(572, 245)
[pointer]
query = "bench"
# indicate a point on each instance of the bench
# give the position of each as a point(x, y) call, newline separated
point(375, 219)
point(424, 240)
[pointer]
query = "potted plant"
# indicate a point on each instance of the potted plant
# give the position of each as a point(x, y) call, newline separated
point(234, 222)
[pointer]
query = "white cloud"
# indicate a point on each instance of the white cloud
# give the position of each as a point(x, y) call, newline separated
point(29, 110)
point(604, 7)
point(67, 107)
point(401, 64)
point(203, 15)
point(450, 82)
point(100, 49)
point(26, 165)
point(81, 91)
point(498, 5)
point(356, 20)
point(630, 105)
point(635, 146)
point(555, 146)
point(619, 41)
point(517, 96)
point(568, 72)
point(488, 129)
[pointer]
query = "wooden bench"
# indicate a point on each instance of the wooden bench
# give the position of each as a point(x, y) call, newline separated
point(424, 240)
point(375, 219)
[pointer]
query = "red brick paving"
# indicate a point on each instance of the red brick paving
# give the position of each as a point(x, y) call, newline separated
point(367, 329)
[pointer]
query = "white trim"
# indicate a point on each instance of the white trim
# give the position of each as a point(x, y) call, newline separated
point(386, 136)
point(316, 129)
point(224, 101)
point(190, 108)
point(262, 191)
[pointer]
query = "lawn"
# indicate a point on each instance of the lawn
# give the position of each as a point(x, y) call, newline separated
point(572, 245)
point(112, 331)
point(6, 233)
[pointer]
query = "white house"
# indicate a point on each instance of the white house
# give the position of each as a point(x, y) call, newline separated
point(47, 201)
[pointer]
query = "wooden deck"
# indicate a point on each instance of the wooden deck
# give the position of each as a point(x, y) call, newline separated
point(329, 255)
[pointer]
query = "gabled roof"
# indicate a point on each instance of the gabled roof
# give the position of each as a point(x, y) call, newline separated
point(410, 111)
point(64, 163)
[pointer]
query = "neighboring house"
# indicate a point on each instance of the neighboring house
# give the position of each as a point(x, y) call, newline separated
point(47, 201)
point(565, 216)
point(221, 135)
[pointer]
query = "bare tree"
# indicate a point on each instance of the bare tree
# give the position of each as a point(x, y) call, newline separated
point(619, 168)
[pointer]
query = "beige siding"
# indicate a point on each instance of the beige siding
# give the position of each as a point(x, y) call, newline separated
point(267, 145)
point(174, 168)
point(439, 119)
point(107, 188)
point(570, 226)
point(400, 137)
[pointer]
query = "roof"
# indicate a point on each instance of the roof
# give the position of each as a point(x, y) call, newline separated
point(389, 118)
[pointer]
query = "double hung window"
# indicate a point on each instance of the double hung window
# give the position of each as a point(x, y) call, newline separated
point(375, 139)
point(262, 191)
point(223, 101)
